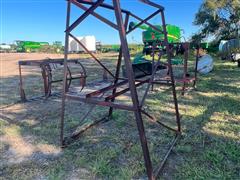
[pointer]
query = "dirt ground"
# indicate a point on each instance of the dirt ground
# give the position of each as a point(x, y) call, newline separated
point(9, 61)
point(29, 133)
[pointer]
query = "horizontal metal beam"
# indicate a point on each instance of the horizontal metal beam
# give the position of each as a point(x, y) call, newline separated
point(100, 91)
point(143, 21)
point(100, 103)
point(39, 62)
point(84, 15)
point(104, 5)
point(101, 18)
point(124, 91)
point(149, 24)
point(152, 4)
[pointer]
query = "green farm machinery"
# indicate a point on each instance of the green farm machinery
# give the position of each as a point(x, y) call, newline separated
point(29, 46)
point(150, 36)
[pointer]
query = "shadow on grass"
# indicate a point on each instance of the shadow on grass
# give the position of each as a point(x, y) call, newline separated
point(208, 149)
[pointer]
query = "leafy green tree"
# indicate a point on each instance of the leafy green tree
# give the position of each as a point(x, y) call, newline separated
point(219, 19)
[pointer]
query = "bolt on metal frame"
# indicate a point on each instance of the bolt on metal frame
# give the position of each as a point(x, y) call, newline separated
point(131, 81)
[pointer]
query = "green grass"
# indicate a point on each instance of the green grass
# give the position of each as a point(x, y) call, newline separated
point(208, 149)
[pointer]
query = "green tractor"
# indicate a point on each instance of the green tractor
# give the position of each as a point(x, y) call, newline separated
point(151, 36)
point(29, 46)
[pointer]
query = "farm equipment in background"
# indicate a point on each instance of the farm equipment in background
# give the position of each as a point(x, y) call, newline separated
point(58, 47)
point(154, 47)
point(5, 48)
point(98, 46)
point(230, 50)
point(150, 36)
point(110, 48)
point(29, 46)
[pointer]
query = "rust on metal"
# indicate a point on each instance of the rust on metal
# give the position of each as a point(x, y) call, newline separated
point(120, 85)
point(47, 67)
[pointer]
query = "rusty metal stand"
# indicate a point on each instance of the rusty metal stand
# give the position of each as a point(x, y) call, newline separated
point(99, 96)
point(186, 78)
point(47, 66)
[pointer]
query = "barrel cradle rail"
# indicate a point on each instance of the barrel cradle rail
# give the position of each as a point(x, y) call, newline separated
point(49, 67)
point(104, 93)
point(186, 78)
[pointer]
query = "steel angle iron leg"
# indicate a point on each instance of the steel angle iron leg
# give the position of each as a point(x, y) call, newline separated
point(185, 45)
point(45, 81)
point(84, 15)
point(196, 67)
point(151, 79)
point(118, 67)
point(98, 16)
point(132, 87)
point(171, 72)
point(65, 74)
point(47, 78)
point(22, 93)
point(153, 62)
point(116, 80)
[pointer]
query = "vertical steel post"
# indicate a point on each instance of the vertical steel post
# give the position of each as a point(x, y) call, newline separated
point(131, 79)
point(171, 71)
point(196, 67)
point(45, 81)
point(153, 63)
point(22, 93)
point(65, 72)
point(118, 66)
point(186, 48)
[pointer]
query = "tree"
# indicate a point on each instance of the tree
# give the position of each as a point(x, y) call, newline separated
point(219, 19)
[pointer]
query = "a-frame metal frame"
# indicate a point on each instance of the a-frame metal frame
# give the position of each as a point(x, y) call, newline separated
point(132, 83)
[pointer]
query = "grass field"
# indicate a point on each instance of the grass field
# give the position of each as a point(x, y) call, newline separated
point(208, 149)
